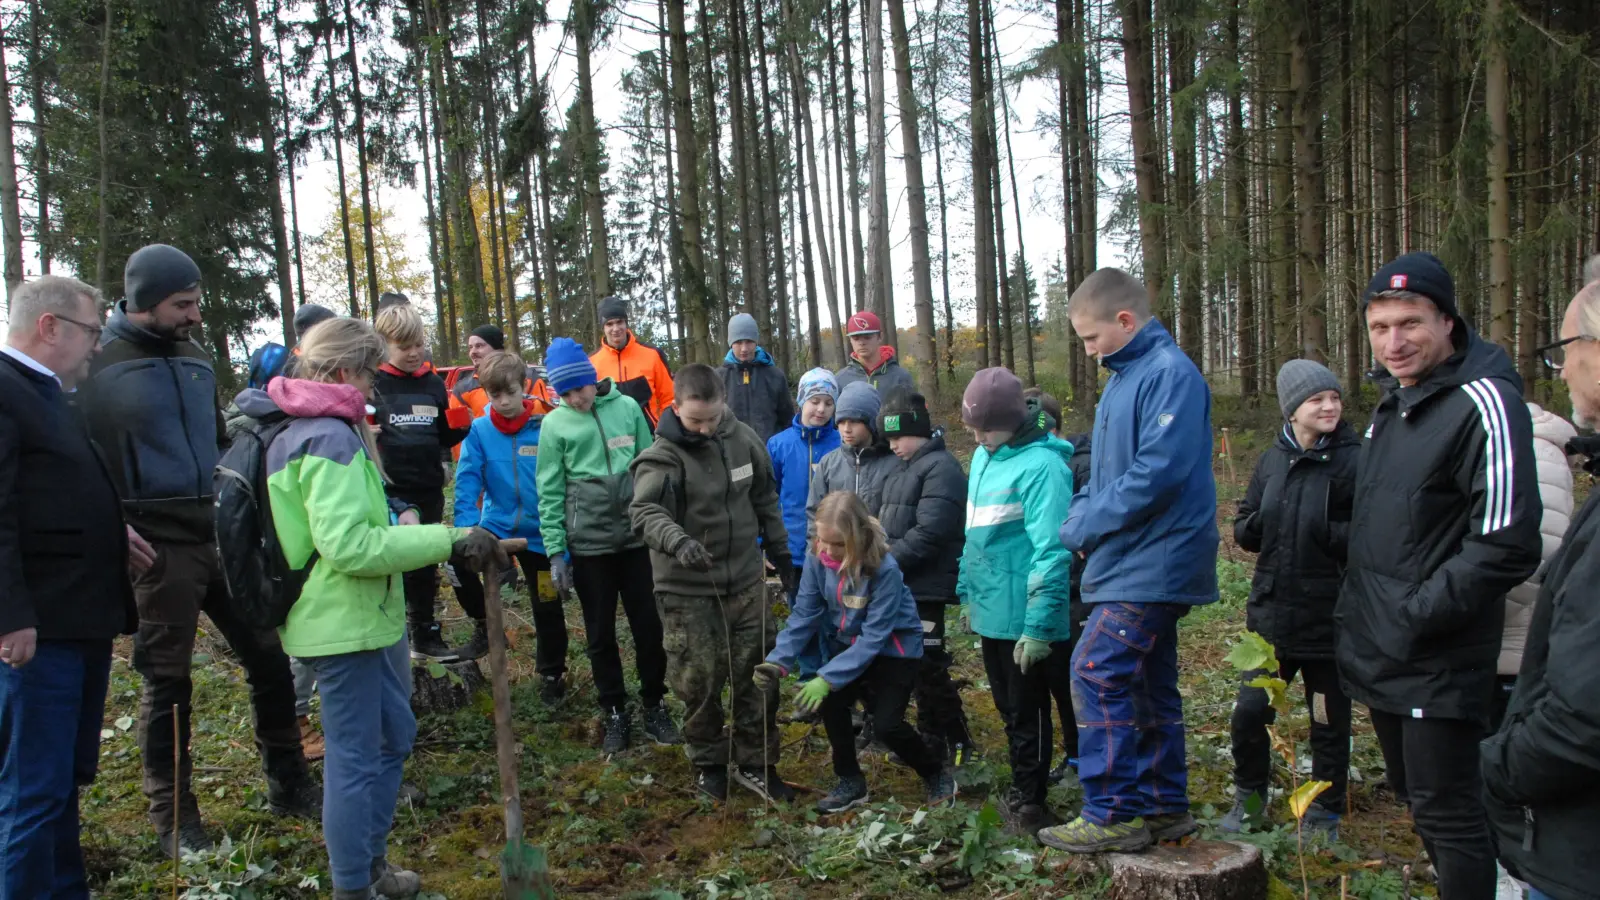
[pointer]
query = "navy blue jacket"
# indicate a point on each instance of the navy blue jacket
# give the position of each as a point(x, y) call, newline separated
point(1147, 519)
point(758, 393)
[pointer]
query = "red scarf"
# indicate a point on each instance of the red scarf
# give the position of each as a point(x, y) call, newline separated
point(512, 426)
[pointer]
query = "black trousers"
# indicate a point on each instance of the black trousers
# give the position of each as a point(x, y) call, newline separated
point(1330, 731)
point(939, 712)
point(891, 680)
point(549, 619)
point(1433, 766)
point(599, 581)
point(1024, 704)
point(422, 585)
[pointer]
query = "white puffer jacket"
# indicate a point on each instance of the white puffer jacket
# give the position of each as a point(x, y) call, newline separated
point(1550, 436)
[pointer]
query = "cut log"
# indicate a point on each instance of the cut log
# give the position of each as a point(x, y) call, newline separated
point(445, 692)
point(1200, 870)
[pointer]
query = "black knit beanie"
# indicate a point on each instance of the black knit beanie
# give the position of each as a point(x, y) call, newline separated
point(905, 415)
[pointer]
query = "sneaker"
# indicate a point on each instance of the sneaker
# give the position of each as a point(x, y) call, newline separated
point(1319, 822)
point(849, 793)
point(552, 689)
point(659, 727)
point(616, 725)
point(1027, 817)
point(767, 785)
point(428, 644)
point(941, 788)
point(394, 883)
point(1083, 836)
point(478, 646)
point(712, 781)
point(1241, 816)
point(192, 838)
point(1171, 826)
point(311, 743)
point(1066, 767)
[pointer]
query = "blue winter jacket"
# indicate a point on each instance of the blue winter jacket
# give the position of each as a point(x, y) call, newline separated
point(858, 621)
point(1015, 575)
point(1148, 517)
point(502, 470)
point(795, 452)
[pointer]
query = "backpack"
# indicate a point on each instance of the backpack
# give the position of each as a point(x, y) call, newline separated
point(266, 363)
point(261, 585)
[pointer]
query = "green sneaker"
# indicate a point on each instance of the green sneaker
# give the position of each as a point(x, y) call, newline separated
point(1083, 836)
point(1171, 827)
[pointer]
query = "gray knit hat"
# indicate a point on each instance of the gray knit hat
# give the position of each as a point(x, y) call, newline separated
point(859, 401)
point(743, 328)
point(612, 307)
point(1299, 379)
point(156, 272)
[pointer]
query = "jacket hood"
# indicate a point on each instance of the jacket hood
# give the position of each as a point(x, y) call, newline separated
point(315, 399)
point(935, 444)
point(810, 432)
point(1341, 436)
point(763, 358)
point(672, 429)
point(885, 358)
point(1149, 336)
point(255, 403)
point(123, 327)
point(1032, 434)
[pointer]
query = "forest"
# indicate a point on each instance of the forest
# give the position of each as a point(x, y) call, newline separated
point(1252, 160)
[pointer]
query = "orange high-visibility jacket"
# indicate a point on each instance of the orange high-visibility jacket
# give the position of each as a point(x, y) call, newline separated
point(640, 371)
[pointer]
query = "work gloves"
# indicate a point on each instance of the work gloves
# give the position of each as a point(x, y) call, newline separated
point(767, 675)
point(693, 555)
point(478, 549)
point(784, 563)
point(812, 693)
point(1029, 652)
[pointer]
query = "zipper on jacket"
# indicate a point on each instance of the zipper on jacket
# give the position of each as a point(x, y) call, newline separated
point(183, 418)
point(1527, 829)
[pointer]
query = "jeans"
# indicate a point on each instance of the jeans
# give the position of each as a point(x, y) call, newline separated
point(1023, 701)
point(185, 581)
point(369, 728)
point(940, 714)
point(50, 715)
point(1130, 714)
point(1330, 731)
point(599, 580)
point(892, 680)
point(1433, 767)
point(305, 684)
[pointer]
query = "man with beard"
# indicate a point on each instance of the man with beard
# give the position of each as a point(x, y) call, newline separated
point(151, 400)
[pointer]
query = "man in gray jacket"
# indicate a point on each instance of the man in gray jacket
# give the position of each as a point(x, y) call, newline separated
point(757, 390)
point(871, 359)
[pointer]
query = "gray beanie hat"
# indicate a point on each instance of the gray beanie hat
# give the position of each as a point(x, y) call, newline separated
point(612, 307)
point(310, 314)
point(155, 273)
point(743, 328)
point(1299, 379)
point(859, 401)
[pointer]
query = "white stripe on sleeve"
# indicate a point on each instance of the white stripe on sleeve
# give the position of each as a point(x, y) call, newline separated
point(1498, 459)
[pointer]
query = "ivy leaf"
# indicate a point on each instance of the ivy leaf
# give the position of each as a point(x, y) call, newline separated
point(1300, 800)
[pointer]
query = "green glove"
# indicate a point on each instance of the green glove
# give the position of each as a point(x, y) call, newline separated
point(812, 694)
point(1029, 652)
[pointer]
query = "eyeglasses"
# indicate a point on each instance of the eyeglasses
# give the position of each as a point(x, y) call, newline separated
point(1555, 355)
point(91, 329)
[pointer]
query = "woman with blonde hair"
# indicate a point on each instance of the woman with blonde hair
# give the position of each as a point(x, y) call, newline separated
point(853, 596)
point(325, 488)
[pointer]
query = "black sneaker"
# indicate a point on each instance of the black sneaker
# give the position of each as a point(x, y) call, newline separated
point(616, 725)
point(478, 646)
point(659, 727)
point(552, 689)
point(849, 793)
point(428, 644)
point(295, 794)
point(192, 838)
point(712, 781)
point(941, 788)
point(767, 786)
point(1171, 826)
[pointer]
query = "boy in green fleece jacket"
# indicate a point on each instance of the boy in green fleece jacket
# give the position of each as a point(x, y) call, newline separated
point(709, 577)
point(585, 447)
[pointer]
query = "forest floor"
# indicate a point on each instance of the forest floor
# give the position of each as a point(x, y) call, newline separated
point(632, 826)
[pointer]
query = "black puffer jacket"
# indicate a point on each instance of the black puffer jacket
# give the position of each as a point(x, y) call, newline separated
point(1541, 772)
point(758, 393)
point(924, 515)
point(1296, 515)
point(1446, 521)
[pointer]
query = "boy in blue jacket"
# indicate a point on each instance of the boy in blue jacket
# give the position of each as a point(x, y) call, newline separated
point(795, 453)
point(497, 490)
point(1147, 522)
point(853, 596)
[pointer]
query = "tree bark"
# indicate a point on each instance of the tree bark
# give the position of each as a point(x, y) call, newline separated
point(774, 195)
point(105, 154)
point(692, 298)
point(441, 333)
point(267, 133)
point(807, 156)
point(916, 200)
point(853, 170)
point(1188, 255)
point(594, 200)
point(1355, 333)
point(880, 281)
point(983, 261)
point(1147, 157)
point(530, 207)
point(10, 203)
point(1305, 77)
point(1384, 129)
point(1020, 290)
point(41, 146)
point(1496, 103)
point(338, 161)
point(1283, 288)
point(714, 164)
point(361, 159)
point(288, 160)
point(938, 180)
point(1239, 216)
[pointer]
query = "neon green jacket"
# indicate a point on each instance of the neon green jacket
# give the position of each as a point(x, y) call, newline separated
point(584, 484)
point(326, 494)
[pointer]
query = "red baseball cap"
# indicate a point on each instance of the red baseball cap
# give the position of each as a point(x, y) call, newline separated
point(863, 323)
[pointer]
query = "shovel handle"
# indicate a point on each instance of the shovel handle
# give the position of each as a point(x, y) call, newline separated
point(505, 741)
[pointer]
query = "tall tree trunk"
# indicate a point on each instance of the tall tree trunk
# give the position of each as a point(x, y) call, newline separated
point(692, 298)
point(1496, 102)
point(288, 159)
point(10, 203)
point(757, 281)
point(1283, 289)
point(1021, 287)
point(1087, 181)
point(853, 170)
point(435, 102)
point(714, 164)
point(1147, 157)
point(267, 134)
point(441, 334)
point(1239, 216)
point(1384, 129)
point(1189, 256)
point(361, 159)
point(1005, 321)
point(983, 261)
point(1305, 77)
point(105, 154)
point(880, 281)
point(1347, 296)
point(916, 200)
point(530, 206)
point(469, 295)
point(338, 161)
point(1535, 158)
point(594, 200)
point(801, 152)
point(938, 181)
point(41, 146)
point(807, 156)
point(742, 188)
point(1068, 56)
point(774, 194)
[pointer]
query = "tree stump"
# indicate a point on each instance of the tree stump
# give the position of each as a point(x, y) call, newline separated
point(1200, 870)
point(444, 687)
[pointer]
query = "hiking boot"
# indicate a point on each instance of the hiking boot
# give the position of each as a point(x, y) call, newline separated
point(768, 785)
point(1083, 836)
point(616, 724)
point(311, 743)
point(1241, 816)
point(192, 838)
point(659, 727)
point(552, 689)
point(1027, 816)
point(294, 793)
point(712, 781)
point(1319, 822)
point(849, 793)
point(1171, 826)
point(476, 647)
point(1067, 766)
point(428, 644)
point(941, 788)
point(391, 882)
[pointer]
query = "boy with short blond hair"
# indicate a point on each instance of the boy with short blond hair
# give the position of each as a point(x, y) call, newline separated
point(410, 401)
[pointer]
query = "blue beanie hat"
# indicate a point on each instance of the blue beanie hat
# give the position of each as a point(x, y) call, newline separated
point(859, 401)
point(815, 382)
point(567, 367)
